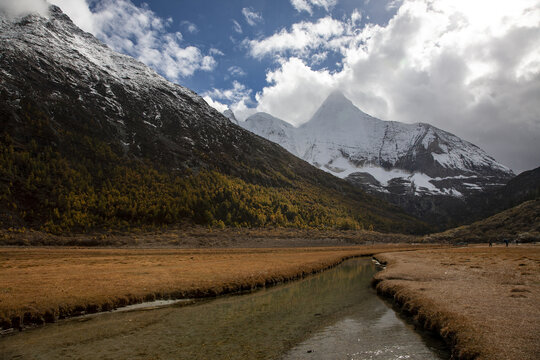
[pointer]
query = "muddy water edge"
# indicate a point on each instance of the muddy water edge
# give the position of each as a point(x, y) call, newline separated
point(331, 315)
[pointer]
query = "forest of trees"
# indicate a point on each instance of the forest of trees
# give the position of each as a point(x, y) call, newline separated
point(41, 189)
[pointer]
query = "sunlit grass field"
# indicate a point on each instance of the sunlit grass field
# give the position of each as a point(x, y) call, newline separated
point(43, 284)
point(483, 300)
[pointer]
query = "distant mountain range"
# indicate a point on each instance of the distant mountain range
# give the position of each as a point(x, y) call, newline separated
point(427, 171)
point(92, 139)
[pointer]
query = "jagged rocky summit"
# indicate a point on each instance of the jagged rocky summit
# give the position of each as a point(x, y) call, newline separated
point(70, 75)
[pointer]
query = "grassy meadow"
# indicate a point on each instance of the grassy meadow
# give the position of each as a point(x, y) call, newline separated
point(484, 301)
point(40, 285)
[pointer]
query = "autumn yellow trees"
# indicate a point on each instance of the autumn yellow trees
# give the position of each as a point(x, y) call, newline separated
point(44, 190)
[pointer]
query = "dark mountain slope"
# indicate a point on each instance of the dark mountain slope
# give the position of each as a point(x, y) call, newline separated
point(520, 223)
point(91, 139)
point(525, 186)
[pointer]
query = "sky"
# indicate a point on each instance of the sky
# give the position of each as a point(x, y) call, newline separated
point(470, 67)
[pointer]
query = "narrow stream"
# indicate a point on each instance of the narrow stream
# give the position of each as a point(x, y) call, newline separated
point(332, 315)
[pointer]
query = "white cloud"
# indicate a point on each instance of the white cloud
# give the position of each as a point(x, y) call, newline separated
point(79, 12)
point(239, 98)
point(139, 32)
point(176, 61)
point(304, 37)
point(252, 17)
point(356, 17)
point(302, 5)
point(236, 71)
point(319, 57)
point(236, 93)
point(17, 8)
point(191, 27)
point(237, 27)
point(215, 104)
point(294, 91)
point(394, 4)
point(307, 5)
point(469, 67)
point(214, 51)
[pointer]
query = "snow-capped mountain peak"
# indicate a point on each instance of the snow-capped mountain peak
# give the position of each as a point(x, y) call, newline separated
point(384, 155)
point(262, 119)
point(338, 112)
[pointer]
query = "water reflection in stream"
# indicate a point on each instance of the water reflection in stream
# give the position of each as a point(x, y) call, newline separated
point(333, 315)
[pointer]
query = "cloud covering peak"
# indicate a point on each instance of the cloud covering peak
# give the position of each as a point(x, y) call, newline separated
point(16, 8)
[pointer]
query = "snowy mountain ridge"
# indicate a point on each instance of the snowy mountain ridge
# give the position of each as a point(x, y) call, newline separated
point(57, 50)
point(384, 156)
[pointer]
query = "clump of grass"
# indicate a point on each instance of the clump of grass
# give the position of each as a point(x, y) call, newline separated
point(514, 290)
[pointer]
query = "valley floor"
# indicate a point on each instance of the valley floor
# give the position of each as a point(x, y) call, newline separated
point(43, 284)
point(484, 301)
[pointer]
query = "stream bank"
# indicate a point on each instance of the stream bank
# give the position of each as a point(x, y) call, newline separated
point(485, 302)
point(334, 314)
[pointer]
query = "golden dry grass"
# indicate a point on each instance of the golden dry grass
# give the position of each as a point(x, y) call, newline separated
point(484, 301)
point(41, 284)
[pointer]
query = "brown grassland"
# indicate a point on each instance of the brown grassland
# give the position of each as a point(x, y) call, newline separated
point(484, 301)
point(43, 284)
